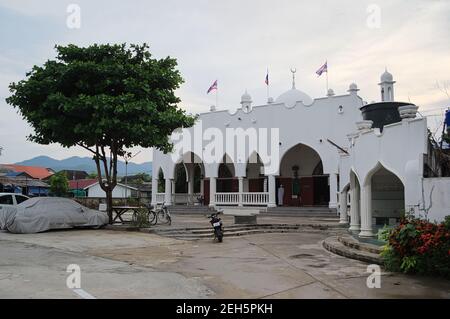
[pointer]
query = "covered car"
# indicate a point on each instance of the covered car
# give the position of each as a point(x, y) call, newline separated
point(44, 213)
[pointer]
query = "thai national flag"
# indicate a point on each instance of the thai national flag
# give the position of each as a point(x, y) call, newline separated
point(267, 78)
point(323, 68)
point(212, 87)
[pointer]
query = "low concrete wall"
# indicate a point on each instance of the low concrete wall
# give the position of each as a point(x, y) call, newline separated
point(94, 202)
point(440, 197)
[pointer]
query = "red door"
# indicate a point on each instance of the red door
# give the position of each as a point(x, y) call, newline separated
point(234, 185)
point(256, 185)
point(307, 191)
point(206, 191)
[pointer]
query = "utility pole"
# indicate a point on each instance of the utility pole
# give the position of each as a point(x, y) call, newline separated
point(127, 157)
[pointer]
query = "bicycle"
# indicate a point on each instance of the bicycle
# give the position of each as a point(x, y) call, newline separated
point(162, 214)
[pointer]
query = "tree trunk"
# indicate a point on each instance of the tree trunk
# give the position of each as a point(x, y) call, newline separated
point(109, 204)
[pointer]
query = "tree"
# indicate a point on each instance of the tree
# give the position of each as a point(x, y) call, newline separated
point(92, 175)
point(105, 99)
point(59, 184)
point(139, 178)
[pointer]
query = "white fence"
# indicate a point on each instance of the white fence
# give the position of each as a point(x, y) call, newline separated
point(256, 199)
point(227, 198)
point(233, 199)
point(180, 198)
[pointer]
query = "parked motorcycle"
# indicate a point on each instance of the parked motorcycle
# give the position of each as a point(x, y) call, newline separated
point(217, 224)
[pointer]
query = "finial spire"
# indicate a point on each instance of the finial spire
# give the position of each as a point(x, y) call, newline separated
point(293, 70)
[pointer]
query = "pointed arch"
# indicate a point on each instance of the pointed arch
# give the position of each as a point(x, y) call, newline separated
point(226, 172)
point(385, 196)
point(226, 168)
point(160, 176)
point(378, 166)
point(302, 175)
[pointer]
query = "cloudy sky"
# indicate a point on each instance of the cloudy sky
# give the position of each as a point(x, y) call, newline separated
point(235, 42)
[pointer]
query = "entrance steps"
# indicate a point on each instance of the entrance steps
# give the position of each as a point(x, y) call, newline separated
point(191, 209)
point(198, 233)
point(303, 211)
point(349, 247)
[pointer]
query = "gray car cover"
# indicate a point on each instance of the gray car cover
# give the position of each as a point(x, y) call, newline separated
point(44, 213)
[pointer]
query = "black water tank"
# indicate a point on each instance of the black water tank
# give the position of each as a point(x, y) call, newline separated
point(382, 113)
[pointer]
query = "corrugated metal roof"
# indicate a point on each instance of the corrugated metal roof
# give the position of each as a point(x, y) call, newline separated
point(33, 171)
point(22, 182)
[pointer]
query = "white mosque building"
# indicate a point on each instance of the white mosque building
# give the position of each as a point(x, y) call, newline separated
point(369, 162)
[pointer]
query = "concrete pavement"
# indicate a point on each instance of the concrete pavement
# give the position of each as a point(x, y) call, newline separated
point(116, 264)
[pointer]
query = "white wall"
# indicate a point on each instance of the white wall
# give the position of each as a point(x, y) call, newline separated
point(440, 198)
point(399, 149)
point(118, 192)
point(311, 125)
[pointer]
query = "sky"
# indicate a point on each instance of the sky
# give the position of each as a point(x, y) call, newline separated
point(236, 42)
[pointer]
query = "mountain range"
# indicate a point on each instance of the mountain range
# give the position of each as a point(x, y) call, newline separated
point(84, 164)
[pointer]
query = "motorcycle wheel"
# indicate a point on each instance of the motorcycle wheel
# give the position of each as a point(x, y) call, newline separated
point(219, 236)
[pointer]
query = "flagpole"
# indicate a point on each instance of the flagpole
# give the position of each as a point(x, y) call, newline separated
point(217, 97)
point(327, 75)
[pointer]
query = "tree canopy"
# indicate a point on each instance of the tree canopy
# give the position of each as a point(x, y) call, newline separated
point(102, 95)
point(104, 98)
point(59, 184)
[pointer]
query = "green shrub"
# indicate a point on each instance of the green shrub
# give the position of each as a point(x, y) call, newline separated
point(141, 218)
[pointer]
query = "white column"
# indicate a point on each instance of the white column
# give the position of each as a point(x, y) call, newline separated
point(333, 191)
point(354, 205)
point(202, 186)
point(168, 191)
point(343, 208)
point(272, 190)
point(190, 184)
point(154, 190)
point(212, 192)
point(241, 190)
point(366, 211)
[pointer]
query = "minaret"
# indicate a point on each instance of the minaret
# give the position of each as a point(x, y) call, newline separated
point(246, 102)
point(387, 87)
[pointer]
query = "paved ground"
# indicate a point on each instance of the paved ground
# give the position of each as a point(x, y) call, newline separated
point(117, 264)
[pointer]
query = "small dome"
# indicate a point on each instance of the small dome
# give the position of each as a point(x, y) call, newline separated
point(353, 86)
point(387, 77)
point(291, 97)
point(330, 92)
point(246, 97)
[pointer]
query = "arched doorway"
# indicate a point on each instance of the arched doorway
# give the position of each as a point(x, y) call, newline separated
point(189, 179)
point(302, 177)
point(161, 181)
point(181, 180)
point(387, 197)
point(226, 181)
point(255, 180)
